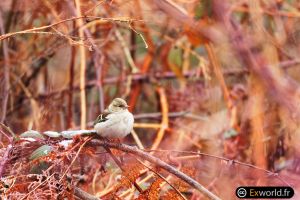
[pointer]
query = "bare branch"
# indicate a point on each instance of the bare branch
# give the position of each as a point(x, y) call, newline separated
point(84, 195)
point(158, 162)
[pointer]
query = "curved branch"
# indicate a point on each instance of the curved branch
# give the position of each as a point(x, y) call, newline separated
point(136, 151)
point(84, 195)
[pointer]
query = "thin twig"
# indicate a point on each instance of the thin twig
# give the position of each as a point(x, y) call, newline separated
point(147, 125)
point(158, 115)
point(98, 57)
point(166, 75)
point(165, 118)
point(71, 86)
point(219, 75)
point(82, 69)
point(137, 139)
point(6, 85)
point(226, 159)
point(98, 68)
point(32, 30)
point(148, 59)
point(79, 150)
point(48, 178)
point(172, 186)
point(130, 61)
point(120, 165)
point(139, 34)
point(13, 135)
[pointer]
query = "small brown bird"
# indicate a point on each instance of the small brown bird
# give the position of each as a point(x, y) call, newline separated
point(116, 121)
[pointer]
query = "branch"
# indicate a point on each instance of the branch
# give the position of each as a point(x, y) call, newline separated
point(84, 195)
point(6, 85)
point(90, 18)
point(138, 152)
point(136, 77)
point(165, 119)
point(158, 162)
point(230, 161)
point(160, 176)
point(120, 165)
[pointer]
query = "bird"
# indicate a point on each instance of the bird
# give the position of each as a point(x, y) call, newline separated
point(116, 121)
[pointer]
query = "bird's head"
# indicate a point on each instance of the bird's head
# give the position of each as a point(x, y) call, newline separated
point(117, 104)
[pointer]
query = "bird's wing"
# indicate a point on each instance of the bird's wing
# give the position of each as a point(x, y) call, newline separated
point(102, 117)
point(110, 120)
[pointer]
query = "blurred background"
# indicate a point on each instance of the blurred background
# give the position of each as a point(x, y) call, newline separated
point(199, 75)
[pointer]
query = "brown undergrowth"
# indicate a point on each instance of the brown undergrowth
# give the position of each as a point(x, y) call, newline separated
point(213, 86)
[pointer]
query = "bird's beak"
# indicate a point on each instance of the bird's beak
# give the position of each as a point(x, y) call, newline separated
point(127, 106)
